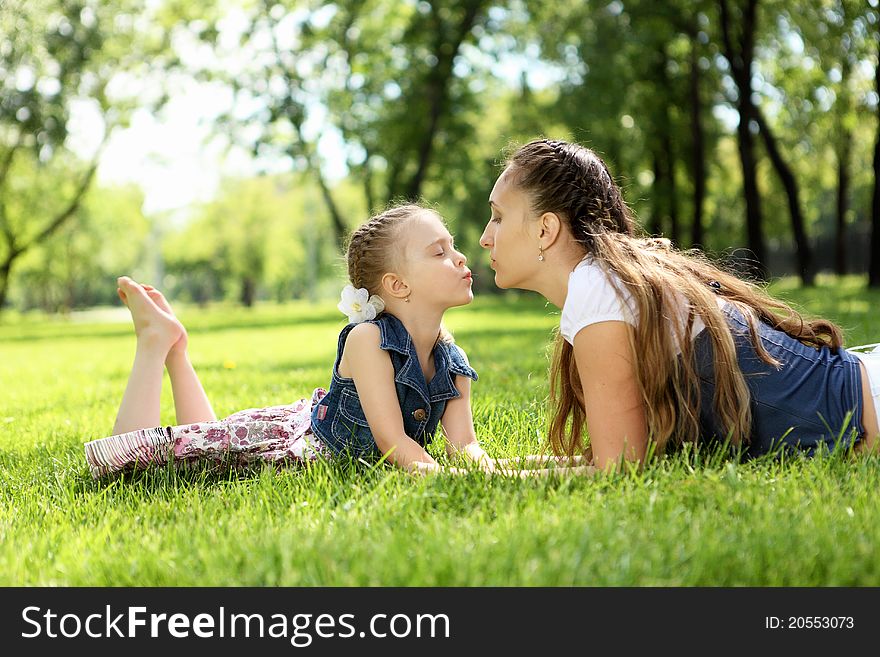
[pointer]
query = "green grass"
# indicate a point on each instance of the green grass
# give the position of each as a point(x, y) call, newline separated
point(684, 520)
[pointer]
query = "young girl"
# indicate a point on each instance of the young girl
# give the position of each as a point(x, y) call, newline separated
point(396, 375)
point(657, 346)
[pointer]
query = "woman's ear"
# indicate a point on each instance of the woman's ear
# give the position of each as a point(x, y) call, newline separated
point(549, 229)
point(394, 286)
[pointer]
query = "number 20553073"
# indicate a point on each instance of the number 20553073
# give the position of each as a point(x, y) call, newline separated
point(809, 622)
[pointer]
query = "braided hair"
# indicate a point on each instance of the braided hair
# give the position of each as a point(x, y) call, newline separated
point(373, 249)
point(573, 181)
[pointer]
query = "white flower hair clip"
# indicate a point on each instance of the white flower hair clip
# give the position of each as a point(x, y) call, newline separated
point(359, 305)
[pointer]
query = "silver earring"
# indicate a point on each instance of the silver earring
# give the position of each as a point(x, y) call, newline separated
point(541, 254)
point(406, 298)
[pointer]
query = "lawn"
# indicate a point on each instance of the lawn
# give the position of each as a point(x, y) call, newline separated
point(683, 521)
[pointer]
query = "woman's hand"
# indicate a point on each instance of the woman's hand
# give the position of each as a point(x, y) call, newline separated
point(423, 468)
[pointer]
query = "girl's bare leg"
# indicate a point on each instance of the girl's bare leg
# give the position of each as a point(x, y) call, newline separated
point(191, 404)
point(155, 336)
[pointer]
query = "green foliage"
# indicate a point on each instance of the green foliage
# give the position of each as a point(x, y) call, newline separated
point(268, 237)
point(55, 55)
point(79, 264)
point(421, 98)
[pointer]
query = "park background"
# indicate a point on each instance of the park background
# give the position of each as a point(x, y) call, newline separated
point(221, 150)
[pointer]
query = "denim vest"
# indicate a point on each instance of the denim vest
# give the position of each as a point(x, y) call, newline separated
point(813, 399)
point(339, 419)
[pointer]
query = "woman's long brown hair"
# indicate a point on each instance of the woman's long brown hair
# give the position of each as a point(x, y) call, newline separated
point(573, 182)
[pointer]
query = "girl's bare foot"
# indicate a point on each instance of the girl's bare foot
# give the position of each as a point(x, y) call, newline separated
point(159, 299)
point(154, 327)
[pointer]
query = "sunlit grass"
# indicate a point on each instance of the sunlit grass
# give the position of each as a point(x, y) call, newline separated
point(686, 520)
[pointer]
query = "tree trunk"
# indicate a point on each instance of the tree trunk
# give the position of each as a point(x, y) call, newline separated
point(337, 223)
point(16, 250)
point(665, 203)
point(248, 291)
point(658, 209)
point(843, 178)
point(740, 60)
point(698, 155)
point(437, 92)
point(754, 217)
point(296, 116)
point(671, 191)
point(5, 268)
point(368, 187)
point(874, 255)
point(613, 157)
point(804, 253)
point(336, 220)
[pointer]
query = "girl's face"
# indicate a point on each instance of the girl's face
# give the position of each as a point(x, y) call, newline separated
point(435, 269)
point(512, 248)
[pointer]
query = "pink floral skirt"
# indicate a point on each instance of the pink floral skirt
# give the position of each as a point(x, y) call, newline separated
point(277, 434)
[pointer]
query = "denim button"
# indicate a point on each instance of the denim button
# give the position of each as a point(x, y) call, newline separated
point(419, 414)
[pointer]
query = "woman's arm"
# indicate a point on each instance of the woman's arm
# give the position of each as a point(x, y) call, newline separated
point(613, 402)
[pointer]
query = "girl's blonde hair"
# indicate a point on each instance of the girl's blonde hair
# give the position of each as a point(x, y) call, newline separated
point(374, 248)
point(573, 182)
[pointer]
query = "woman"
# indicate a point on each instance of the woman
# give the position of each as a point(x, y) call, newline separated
point(658, 346)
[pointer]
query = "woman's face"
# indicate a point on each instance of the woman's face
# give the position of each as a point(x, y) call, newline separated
point(508, 235)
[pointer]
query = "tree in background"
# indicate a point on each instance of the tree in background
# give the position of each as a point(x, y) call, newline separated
point(386, 76)
point(53, 56)
point(77, 266)
point(637, 87)
point(260, 238)
point(419, 98)
point(874, 263)
point(822, 92)
point(738, 38)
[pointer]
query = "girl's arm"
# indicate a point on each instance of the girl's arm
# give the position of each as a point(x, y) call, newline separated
point(613, 402)
point(458, 426)
point(373, 374)
point(461, 438)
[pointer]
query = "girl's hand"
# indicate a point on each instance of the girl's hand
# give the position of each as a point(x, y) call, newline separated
point(422, 468)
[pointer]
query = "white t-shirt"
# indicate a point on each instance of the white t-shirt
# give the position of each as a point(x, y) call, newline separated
point(596, 296)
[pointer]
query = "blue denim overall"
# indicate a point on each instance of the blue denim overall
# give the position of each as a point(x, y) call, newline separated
point(339, 419)
point(814, 398)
